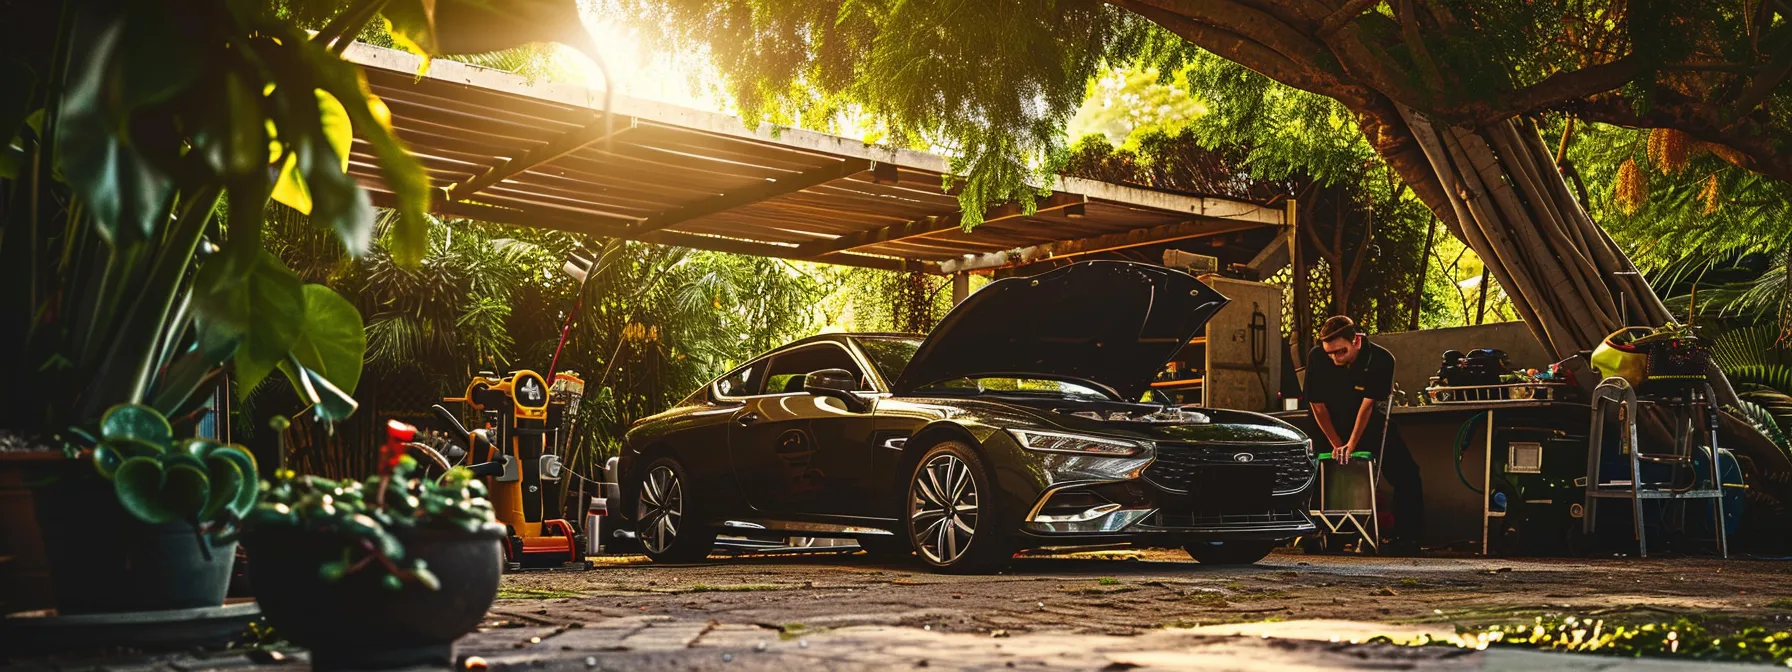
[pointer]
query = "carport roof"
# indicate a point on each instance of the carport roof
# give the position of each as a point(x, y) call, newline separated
point(502, 149)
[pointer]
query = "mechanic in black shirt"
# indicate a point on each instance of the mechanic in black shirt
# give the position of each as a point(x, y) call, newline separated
point(1347, 376)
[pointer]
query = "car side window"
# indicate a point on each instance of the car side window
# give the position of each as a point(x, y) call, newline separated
point(788, 369)
point(742, 382)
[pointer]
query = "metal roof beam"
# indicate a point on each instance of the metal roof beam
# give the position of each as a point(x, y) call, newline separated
point(1108, 243)
point(394, 72)
point(753, 194)
point(936, 224)
point(613, 227)
point(572, 141)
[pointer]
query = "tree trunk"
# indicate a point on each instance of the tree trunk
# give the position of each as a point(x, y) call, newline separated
point(1418, 290)
point(1512, 207)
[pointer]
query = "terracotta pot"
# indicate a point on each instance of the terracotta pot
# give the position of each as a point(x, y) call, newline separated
point(354, 622)
point(24, 568)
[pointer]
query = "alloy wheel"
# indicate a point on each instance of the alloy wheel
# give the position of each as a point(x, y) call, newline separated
point(660, 511)
point(942, 508)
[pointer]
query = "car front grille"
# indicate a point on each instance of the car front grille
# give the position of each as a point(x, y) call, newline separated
point(1174, 519)
point(1177, 463)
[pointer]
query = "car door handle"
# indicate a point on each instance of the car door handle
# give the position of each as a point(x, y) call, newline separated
point(747, 418)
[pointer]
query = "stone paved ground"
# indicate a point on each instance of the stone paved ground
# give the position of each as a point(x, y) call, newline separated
point(1113, 611)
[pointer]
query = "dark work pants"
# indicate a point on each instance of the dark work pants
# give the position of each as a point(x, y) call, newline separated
point(1401, 472)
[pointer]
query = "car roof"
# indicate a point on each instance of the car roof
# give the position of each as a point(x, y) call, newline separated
point(842, 335)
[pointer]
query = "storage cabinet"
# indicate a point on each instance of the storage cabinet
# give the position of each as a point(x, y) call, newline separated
point(1236, 362)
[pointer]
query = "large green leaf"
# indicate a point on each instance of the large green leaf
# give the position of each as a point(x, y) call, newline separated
point(128, 196)
point(333, 341)
point(136, 422)
point(444, 27)
point(226, 480)
point(328, 403)
point(241, 498)
point(156, 491)
point(250, 492)
point(262, 310)
point(373, 122)
point(183, 377)
point(108, 455)
point(290, 188)
point(237, 145)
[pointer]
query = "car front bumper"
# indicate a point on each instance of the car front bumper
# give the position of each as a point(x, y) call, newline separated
point(1129, 499)
point(1286, 518)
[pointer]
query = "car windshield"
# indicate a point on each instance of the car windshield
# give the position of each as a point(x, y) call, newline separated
point(889, 355)
point(1017, 386)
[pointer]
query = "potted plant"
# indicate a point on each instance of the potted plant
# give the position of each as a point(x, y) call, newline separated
point(139, 144)
point(385, 572)
point(142, 142)
point(139, 531)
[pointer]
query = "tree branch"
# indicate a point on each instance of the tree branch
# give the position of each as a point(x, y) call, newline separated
point(1344, 15)
point(1415, 41)
point(1757, 147)
point(1369, 63)
point(1250, 24)
point(1251, 54)
point(1764, 82)
point(1565, 86)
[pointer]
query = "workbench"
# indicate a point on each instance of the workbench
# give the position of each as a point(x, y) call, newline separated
point(1453, 512)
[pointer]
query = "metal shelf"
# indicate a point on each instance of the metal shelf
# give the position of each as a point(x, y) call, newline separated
point(1701, 493)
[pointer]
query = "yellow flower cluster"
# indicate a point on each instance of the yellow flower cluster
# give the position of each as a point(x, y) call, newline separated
point(640, 333)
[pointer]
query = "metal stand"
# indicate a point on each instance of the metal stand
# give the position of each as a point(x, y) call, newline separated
point(1350, 521)
point(1693, 421)
point(1487, 512)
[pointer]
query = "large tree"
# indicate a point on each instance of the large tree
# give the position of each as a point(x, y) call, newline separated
point(1442, 89)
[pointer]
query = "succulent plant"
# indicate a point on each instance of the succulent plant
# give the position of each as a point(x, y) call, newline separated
point(371, 511)
point(160, 479)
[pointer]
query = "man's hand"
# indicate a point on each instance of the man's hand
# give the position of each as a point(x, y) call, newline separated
point(1342, 453)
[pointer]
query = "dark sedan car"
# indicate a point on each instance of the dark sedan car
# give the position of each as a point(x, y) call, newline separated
point(1017, 423)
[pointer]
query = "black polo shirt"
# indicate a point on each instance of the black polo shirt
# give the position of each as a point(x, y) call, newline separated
point(1343, 389)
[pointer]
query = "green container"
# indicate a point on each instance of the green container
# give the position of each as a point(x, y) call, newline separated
point(1346, 486)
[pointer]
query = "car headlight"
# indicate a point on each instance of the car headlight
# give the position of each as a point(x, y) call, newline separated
point(1076, 444)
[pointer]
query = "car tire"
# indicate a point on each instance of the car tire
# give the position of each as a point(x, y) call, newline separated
point(950, 512)
point(1229, 552)
point(664, 525)
point(892, 547)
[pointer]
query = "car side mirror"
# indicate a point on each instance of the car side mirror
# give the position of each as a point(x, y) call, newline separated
point(836, 383)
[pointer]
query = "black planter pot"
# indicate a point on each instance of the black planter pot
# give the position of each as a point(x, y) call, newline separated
point(354, 622)
point(103, 560)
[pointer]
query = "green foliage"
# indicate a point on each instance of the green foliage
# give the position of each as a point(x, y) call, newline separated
point(655, 322)
point(1256, 139)
point(1693, 218)
point(169, 111)
point(354, 510)
point(1678, 637)
point(1705, 208)
point(158, 481)
point(331, 341)
point(1122, 103)
point(933, 73)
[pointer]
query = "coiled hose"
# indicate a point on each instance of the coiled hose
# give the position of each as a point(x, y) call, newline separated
point(1462, 439)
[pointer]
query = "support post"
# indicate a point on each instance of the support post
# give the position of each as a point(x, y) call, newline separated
point(961, 287)
point(1303, 309)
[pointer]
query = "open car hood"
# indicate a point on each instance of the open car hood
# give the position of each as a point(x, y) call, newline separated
point(1114, 323)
